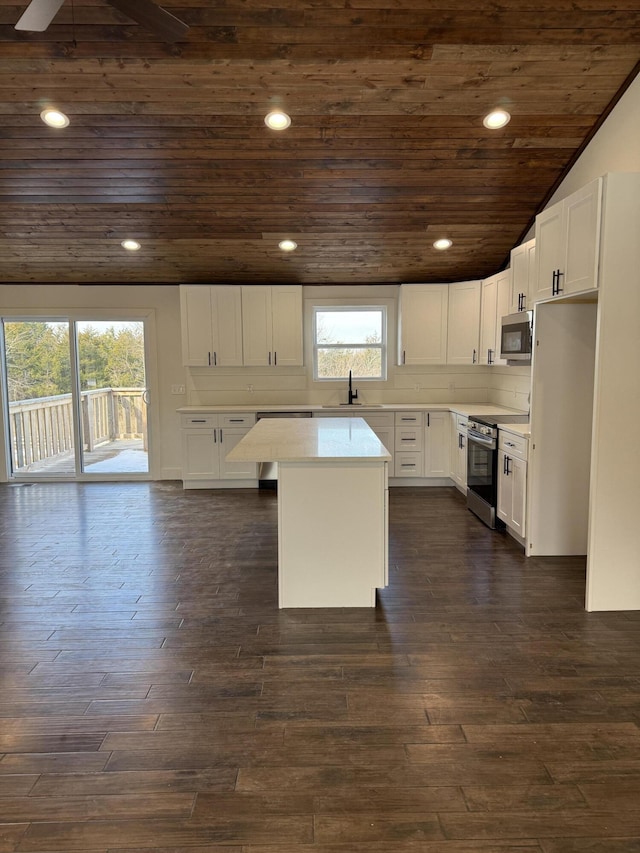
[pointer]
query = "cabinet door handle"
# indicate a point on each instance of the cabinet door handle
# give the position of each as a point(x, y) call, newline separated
point(209, 358)
point(489, 356)
point(215, 358)
point(555, 284)
point(507, 459)
point(459, 441)
point(404, 356)
point(220, 436)
point(269, 359)
point(275, 358)
point(523, 306)
point(473, 360)
point(428, 419)
point(215, 436)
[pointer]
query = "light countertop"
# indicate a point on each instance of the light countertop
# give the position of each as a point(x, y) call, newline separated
point(310, 439)
point(458, 408)
point(516, 429)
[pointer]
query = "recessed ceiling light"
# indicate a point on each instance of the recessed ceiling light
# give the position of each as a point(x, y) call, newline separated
point(277, 120)
point(130, 245)
point(443, 244)
point(54, 118)
point(496, 119)
point(287, 245)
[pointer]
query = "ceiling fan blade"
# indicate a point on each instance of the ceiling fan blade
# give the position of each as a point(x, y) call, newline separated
point(152, 17)
point(38, 15)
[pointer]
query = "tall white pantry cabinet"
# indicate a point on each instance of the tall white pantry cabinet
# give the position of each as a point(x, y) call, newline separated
point(584, 478)
point(613, 564)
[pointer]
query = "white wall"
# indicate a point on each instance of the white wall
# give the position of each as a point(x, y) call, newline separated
point(615, 148)
point(163, 301)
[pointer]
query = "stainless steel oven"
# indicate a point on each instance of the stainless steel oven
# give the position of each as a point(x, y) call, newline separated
point(482, 465)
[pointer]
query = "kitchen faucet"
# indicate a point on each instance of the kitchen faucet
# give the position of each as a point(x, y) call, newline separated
point(353, 395)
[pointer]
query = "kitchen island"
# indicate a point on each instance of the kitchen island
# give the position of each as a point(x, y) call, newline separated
point(332, 508)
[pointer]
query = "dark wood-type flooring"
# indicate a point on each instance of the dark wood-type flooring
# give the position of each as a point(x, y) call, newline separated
point(153, 698)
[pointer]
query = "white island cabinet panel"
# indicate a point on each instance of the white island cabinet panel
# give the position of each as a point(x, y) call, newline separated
point(332, 508)
point(331, 537)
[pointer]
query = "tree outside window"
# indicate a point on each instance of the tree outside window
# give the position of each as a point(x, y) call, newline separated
point(349, 338)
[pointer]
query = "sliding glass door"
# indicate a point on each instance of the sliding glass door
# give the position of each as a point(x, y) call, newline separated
point(76, 398)
point(113, 397)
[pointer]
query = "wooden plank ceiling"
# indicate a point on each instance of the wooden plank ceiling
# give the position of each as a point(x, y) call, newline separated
point(386, 151)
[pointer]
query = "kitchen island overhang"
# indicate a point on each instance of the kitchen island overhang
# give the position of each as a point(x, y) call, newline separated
point(332, 508)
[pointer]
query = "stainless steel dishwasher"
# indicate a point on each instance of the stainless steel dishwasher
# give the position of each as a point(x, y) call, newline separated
point(268, 471)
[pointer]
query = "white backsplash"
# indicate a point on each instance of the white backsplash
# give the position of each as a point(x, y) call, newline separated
point(510, 386)
point(249, 386)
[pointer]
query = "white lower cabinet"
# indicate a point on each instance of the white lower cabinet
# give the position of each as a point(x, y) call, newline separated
point(436, 444)
point(206, 440)
point(408, 460)
point(459, 451)
point(512, 482)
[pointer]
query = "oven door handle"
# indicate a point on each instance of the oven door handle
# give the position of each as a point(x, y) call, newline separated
point(480, 439)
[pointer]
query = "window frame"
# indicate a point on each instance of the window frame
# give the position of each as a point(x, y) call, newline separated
point(350, 308)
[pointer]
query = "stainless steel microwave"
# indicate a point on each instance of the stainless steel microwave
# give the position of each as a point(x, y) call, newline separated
point(516, 335)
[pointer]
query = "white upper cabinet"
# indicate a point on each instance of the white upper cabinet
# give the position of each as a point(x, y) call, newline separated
point(567, 244)
point(272, 325)
point(286, 308)
point(496, 293)
point(422, 337)
point(523, 270)
point(464, 322)
point(211, 319)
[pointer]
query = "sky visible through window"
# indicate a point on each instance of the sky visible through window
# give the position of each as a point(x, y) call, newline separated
point(349, 327)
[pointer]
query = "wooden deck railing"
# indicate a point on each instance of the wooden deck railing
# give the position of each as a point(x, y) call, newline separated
point(43, 428)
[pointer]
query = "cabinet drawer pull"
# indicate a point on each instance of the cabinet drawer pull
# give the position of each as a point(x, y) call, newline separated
point(407, 439)
point(236, 420)
point(409, 420)
point(198, 421)
point(407, 465)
